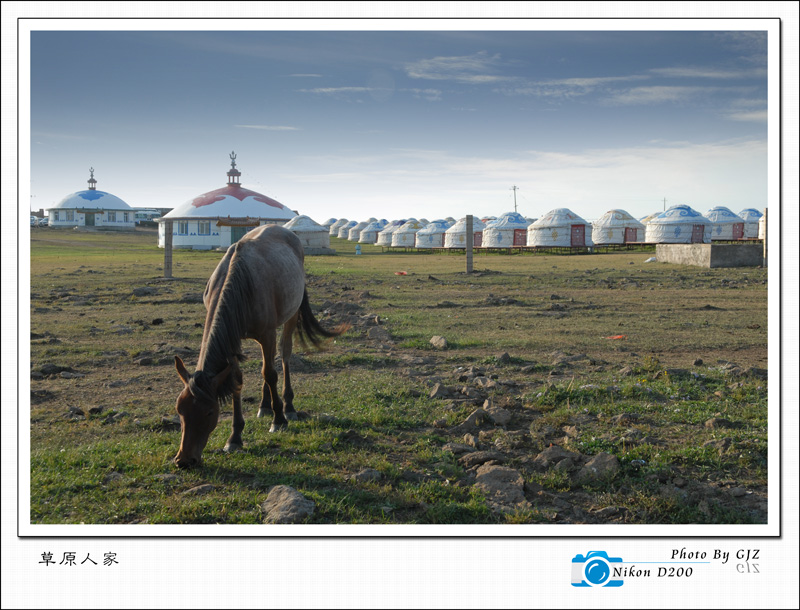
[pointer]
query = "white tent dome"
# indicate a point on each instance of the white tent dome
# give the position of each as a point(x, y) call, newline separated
point(311, 234)
point(680, 224)
point(355, 232)
point(432, 235)
point(762, 227)
point(385, 234)
point(221, 217)
point(617, 227)
point(456, 236)
point(406, 235)
point(369, 234)
point(334, 228)
point(751, 217)
point(560, 228)
point(92, 208)
point(327, 224)
point(725, 224)
point(510, 229)
point(345, 229)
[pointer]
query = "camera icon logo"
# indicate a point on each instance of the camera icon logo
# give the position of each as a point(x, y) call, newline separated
point(595, 569)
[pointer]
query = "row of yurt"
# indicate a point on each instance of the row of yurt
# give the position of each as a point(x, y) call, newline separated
point(510, 229)
point(456, 235)
point(680, 224)
point(725, 225)
point(92, 208)
point(369, 234)
point(433, 234)
point(334, 228)
point(221, 217)
point(385, 235)
point(617, 227)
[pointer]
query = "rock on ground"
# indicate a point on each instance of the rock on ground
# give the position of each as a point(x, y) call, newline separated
point(503, 486)
point(285, 504)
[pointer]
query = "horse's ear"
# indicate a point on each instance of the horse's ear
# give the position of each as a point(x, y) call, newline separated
point(184, 374)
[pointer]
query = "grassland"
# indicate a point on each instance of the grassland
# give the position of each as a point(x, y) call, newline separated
point(679, 400)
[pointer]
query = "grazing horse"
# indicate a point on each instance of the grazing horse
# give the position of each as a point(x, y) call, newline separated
point(258, 286)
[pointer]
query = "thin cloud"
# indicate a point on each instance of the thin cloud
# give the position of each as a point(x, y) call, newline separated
point(706, 73)
point(476, 69)
point(757, 116)
point(657, 95)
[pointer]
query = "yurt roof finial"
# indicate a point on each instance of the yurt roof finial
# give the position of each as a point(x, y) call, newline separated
point(92, 182)
point(233, 173)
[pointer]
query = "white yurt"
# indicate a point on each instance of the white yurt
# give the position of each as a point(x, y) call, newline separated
point(456, 236)
point(510, 229)
point(762, 227)
point(327, 224)
point(617, 227)
point(355, 232)
point(344, 230)
point(679, 224)
point(92, 208)
point(560, 228)
point(314, 237)
point(406, 235)
point(385, 235)
point(725, 225)
point(369, 234)
point(222, 217)
point(432, 235)
point(334, 229)
point(751, 216)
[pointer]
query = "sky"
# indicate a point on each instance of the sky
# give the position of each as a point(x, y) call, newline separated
point(417, 123)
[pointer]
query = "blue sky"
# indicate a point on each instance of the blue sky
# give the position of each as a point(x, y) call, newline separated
point(405, 123)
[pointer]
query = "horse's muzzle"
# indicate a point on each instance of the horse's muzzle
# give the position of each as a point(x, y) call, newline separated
point(182, 462)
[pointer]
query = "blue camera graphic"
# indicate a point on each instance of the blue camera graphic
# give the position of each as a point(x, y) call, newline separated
point(595, 569)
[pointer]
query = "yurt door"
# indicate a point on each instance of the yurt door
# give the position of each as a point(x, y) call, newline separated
point(630, 235)
point(697, 234)
point(738, 230)
point(578, 236)
point(88, 219)
point(477, 239)
point(520, 237)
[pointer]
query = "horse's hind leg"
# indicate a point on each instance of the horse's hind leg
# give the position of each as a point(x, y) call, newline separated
point(286, 354)
point(270, 401)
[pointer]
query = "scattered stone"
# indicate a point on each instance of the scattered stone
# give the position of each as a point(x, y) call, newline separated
point(571, 431)
point(96, 410)
point(738, 492)
point(171, 423)
point(53, 369)
point(498, 416)
point(698, 362)
point(157, 322)
point(503, 358)
point(367, 475)
point(285, 504)
point(70, 375)
point(679, 482)
point(552, 456)
point(441, 391)
point(475, 419)
point(470, 440)
point(191, 297)
point(503, 486)
point(476, 458)
point(626, 371)
point(378, 333)
point(144, 361)
point(458, 448)
point(603, 465)
point(200, 490)
point(145, 291)
point(76, 411)
point(721, 444)
point(438, 342)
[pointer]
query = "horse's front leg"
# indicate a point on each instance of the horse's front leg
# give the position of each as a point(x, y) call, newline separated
point(235, 442)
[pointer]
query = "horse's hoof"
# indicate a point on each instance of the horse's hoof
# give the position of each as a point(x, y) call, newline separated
point(278, 428)
point(291, 415)
point(232, 448)
point(262, 413)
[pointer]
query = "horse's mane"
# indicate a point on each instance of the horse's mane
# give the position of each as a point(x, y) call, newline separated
point(228, 326)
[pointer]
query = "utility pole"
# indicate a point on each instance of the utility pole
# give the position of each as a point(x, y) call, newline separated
point(665, 204)
point(514, 188)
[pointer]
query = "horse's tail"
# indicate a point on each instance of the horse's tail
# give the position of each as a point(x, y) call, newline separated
point(309, 330)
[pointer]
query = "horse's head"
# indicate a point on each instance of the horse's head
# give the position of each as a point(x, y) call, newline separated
point(198, 408)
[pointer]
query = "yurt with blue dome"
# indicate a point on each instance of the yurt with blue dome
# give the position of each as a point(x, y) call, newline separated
point(221, 217)
point(510, 229)
point(432, 235)
point(561, 228)
point(751, 216)
point(679, 224)
point(333, 230)
point(725, 225)
point(344, 230)
point(385, 235)
point(92, 209)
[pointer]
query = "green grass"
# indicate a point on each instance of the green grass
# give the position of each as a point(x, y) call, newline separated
point(368, 404)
